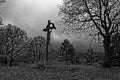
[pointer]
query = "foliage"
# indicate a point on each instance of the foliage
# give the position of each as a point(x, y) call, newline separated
point(35, 49)
point(13, 41)
point(90, 56)
point(67, 51)
point(115, 49)
point(115, 44)
point(93, 16)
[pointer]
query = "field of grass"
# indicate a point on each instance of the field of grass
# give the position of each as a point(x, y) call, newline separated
point(59, 72)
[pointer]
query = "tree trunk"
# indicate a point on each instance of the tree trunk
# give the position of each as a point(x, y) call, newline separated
point(11, 61)
point(106, 45)
point(8, 62)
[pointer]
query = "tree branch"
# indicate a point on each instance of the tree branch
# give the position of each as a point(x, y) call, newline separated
point(93, 19)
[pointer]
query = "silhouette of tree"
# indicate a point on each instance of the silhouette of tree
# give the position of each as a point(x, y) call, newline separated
point(115, 48)
point(67, 51)
point(90, 56)
point(36, 49)
point(99, 16)
point(13, 40)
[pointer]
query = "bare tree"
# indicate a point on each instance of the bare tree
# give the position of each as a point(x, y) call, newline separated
point(13, 40)
point(36, 48)
point(100, 16)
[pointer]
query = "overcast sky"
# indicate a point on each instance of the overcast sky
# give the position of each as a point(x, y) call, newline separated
point(32, 16)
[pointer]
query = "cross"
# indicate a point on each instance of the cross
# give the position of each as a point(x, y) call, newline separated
point(50, 26)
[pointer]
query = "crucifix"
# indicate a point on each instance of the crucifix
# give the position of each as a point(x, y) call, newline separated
point(50, 26)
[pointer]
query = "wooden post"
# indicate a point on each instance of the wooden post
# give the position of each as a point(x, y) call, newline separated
point(50, 26)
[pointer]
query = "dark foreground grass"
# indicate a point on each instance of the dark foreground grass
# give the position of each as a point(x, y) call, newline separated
point(76, 72)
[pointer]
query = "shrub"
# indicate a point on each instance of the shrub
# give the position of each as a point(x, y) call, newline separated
point(67, 51)
point(90, 56)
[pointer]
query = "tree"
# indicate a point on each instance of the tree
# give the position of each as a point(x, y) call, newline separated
point(13, 40)
point(90, 56)
point(67, 51)
point(115, 44)
point(36, 48)
point(99, 16)
point(115, 49)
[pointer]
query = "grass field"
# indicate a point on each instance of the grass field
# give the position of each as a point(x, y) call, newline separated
point(72, 72)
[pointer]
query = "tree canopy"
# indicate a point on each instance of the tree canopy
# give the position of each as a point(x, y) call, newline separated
point(102, 15)
point(67, 51)
point(36, 48)
point(12, 41)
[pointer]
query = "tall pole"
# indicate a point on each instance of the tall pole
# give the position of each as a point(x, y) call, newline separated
point(48, 29)
point(47, 44)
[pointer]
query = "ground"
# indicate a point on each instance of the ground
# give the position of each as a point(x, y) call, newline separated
point(71, 72)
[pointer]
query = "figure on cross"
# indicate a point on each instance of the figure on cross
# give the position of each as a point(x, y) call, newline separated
point(50, 26)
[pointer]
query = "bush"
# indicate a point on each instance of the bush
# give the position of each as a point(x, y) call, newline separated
point(67, 52)
point(90, 56)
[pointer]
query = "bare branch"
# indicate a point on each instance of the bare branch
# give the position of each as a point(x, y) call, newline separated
point(93, 19)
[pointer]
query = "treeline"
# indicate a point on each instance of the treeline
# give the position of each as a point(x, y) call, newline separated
point(15, 45)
